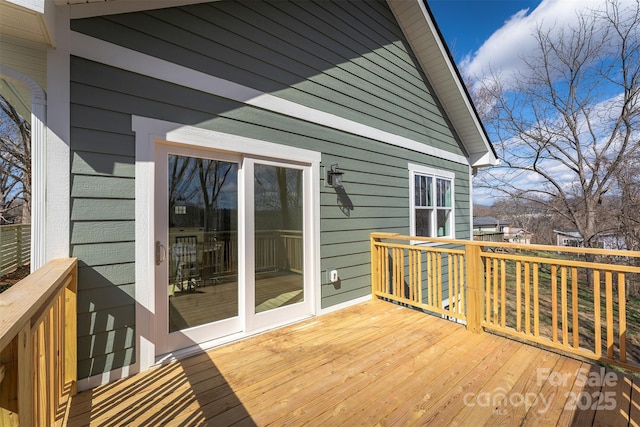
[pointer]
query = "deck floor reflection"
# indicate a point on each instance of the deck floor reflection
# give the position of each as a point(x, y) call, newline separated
point(218, 300)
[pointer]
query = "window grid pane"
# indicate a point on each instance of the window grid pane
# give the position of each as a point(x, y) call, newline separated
point(423, 222)
point(443, 222)
point(423, 191)
point(443, 193)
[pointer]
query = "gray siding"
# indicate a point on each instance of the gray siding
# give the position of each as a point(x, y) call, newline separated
point(285, 48)
point(347, 59)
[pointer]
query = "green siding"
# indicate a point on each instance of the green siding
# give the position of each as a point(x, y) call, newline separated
point(349, 60)
point(101, 231)
point(331, 56)
point(96, 209)
point(102, 164)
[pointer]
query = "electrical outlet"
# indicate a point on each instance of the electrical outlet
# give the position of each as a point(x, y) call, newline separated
point(333, 276)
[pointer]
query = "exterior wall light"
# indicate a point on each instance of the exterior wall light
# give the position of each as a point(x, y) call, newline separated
point(334, 177)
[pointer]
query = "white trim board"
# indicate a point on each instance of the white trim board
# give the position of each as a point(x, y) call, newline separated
point(88, 9)
point(57, 150)
point(127, 59)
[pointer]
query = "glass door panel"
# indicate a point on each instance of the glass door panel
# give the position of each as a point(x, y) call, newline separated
point(202, 241)
point(279, 249)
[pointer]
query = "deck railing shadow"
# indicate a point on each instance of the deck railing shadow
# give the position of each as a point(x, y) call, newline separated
point(176, 393)
point(39, 364)
point(173, 392)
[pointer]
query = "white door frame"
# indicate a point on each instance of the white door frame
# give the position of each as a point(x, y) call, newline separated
point(148, 131)
point(167, 342)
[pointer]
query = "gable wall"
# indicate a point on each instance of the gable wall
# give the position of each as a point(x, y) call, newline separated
point(375, 83)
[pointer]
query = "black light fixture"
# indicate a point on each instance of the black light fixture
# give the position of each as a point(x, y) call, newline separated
point(334, 177)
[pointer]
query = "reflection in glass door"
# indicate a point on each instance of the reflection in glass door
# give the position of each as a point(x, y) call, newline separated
point(202, 241)
point(278, 216)
point(236, 231)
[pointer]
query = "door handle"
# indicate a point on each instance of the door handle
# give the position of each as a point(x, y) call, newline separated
point(161, 253)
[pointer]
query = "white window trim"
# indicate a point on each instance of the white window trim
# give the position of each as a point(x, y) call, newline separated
point(414, 170)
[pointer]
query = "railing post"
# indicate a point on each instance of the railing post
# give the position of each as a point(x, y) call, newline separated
point(474, 288)
point(70, 334)
point(374, 267)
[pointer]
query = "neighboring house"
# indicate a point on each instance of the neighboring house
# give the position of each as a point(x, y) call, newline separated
point(189, 150)
point(489, 224)
point(518, 235)
point(604, 241)
point(569, 238)
point(490, 229)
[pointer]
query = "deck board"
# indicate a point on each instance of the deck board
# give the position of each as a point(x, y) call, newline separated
point(371, 364)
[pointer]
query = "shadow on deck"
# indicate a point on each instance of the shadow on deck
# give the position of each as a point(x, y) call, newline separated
point(372, 364)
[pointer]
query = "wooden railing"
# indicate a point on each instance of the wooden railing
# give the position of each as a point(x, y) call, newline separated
point(38, 360)
point(212, 255)
point(414, 275)
point(15, 244)
point(549, 295)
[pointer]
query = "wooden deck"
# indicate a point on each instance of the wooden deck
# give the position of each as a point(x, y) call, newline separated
point(372, 364)
point(217, 300)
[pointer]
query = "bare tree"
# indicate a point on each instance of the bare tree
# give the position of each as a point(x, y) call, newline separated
point(15, 156)
point(628, 203)
point(199, 183)
point(569, 120)
point(212, 175)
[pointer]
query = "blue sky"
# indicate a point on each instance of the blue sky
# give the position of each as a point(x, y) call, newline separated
point(467, 24)
point(495, 37)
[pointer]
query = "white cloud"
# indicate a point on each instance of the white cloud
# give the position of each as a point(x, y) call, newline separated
point(504, 48)
point(502, 53)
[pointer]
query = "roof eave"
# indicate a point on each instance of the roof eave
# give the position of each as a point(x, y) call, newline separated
point(426, 40)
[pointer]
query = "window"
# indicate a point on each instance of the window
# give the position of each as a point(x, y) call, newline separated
point(432, 212)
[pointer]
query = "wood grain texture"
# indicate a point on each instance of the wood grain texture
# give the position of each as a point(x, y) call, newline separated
point(37, 345)
point(371, 364)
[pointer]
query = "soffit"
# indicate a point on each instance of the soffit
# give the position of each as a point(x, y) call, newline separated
point(433, 55)
point(23, 23)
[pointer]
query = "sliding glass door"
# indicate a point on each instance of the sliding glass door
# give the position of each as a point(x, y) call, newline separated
point(231, 234)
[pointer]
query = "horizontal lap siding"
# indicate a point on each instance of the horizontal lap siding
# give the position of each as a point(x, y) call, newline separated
point(375, 78)
point(347, 59)
point(102, 236)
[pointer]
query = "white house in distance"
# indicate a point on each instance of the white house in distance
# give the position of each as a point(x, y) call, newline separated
point(575, 239)
point(489, 224)
point(489, 228)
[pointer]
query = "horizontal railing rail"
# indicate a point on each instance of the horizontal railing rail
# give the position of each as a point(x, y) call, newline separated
point(38, 350)
point(575, 300)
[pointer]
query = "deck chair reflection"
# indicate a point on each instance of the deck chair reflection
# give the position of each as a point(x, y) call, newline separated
point(184, 254)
